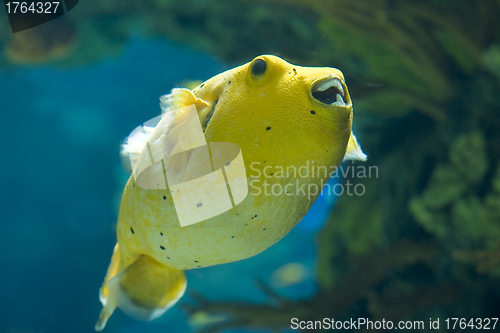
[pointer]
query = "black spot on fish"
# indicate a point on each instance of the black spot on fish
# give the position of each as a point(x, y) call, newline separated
point(202, 85)
point(268, 128)
point(164, 198)
point(168, 258)
point(313, 112)
point(294, 71)
point(229, 82)
point(196, 261)
point(264, 229)
point(132, 230)
point(162, 247)
point(232, 236)
point(199, 204)
point(198, 266)
point(161, 233)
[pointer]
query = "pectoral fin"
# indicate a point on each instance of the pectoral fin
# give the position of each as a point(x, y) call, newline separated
point(354, 151)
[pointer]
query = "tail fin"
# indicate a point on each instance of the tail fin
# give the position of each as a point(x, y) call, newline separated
point(144, 290)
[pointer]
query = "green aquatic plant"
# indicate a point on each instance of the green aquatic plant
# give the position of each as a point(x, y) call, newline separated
point(491, 59)
point(450, 208)
point(407, 53)
point(485, 261)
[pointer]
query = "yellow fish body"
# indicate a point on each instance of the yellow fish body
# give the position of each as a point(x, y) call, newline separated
point(278, 114)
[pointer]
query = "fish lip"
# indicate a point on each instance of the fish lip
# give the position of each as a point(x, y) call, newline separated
point(331, 85)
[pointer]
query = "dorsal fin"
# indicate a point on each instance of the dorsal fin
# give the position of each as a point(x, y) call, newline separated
point(170, 105)
point(179, 98)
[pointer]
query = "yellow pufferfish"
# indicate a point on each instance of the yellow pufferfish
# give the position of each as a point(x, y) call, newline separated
point(279, 114)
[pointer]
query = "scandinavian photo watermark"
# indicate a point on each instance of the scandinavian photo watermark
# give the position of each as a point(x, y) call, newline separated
point(309, 180)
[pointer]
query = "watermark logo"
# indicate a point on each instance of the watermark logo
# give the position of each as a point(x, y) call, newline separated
point(204, 179)
point(309, 180)
point(28, 14)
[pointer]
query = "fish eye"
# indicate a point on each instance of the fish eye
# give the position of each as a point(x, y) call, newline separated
point(258, 67)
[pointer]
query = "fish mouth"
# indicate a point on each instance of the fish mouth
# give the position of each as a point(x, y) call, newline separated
point(330, 91)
